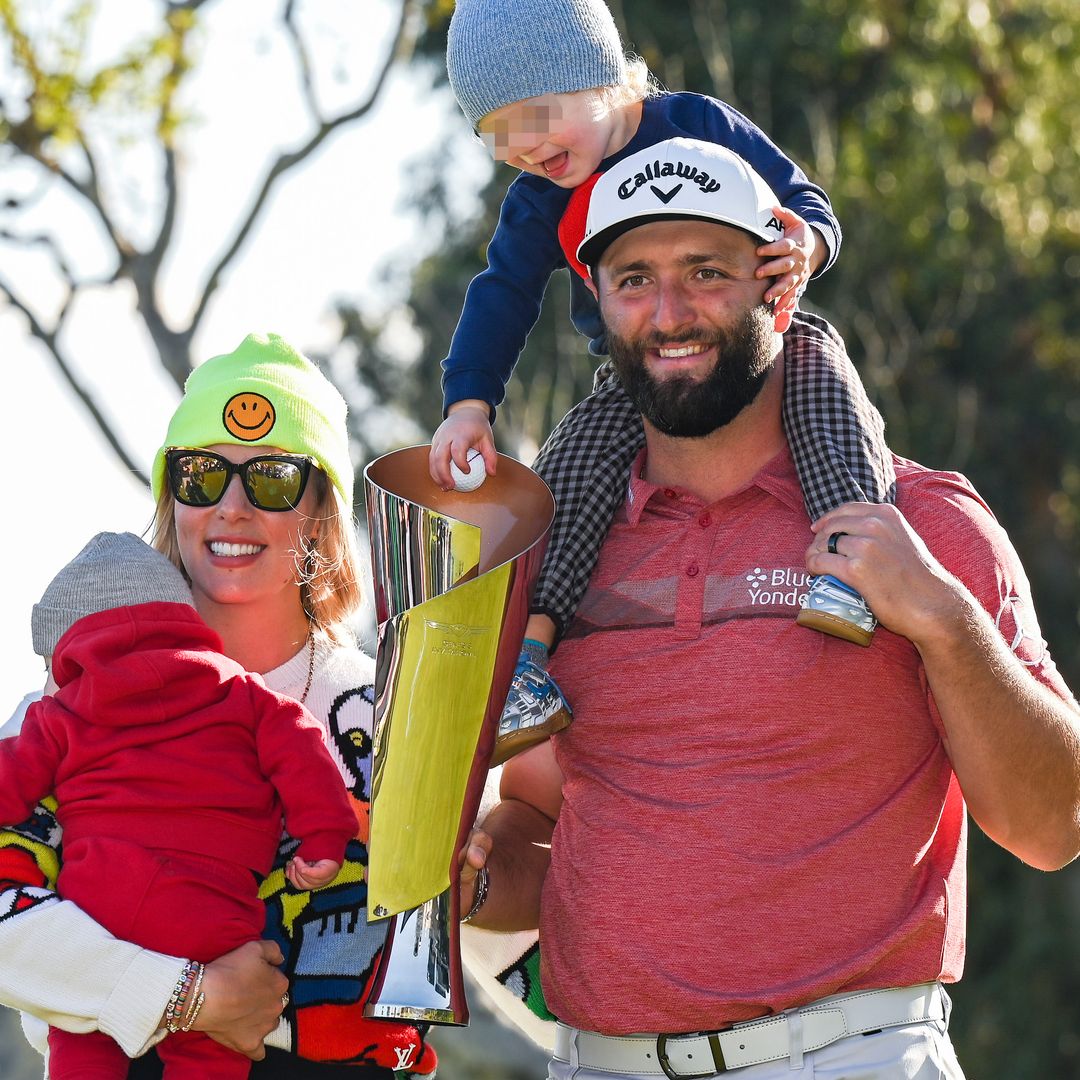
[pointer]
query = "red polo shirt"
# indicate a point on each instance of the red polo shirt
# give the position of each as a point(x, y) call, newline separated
point(755, 815)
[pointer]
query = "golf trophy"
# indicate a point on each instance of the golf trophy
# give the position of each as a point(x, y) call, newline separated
point(453, 572)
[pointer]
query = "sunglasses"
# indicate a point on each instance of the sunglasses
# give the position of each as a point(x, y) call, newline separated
point(273, 482)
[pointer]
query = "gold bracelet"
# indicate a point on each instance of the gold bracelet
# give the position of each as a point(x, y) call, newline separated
point(194, 1013)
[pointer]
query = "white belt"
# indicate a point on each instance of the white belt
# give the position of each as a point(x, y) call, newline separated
point(686, 1057)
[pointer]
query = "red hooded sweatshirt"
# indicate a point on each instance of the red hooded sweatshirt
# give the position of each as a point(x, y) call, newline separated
point(157, 738)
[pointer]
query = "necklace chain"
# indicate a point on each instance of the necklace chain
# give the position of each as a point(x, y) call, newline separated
point(310, 665)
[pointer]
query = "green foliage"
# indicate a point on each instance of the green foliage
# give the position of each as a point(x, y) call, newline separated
point(1015, 1012)
point(61, 90)
point(947, 133)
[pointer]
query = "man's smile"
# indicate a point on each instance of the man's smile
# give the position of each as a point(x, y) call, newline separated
point(681, 350)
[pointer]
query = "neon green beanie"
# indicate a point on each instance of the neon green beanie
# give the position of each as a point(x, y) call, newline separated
point(264, 393)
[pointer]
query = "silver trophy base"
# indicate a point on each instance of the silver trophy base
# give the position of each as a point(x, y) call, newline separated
point(383, 1011)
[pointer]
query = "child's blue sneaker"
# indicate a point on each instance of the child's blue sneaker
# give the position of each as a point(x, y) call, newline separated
point(535, 708)
point(837, 609)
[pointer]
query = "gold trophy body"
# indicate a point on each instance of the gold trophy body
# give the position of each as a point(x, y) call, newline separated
point(453, 573)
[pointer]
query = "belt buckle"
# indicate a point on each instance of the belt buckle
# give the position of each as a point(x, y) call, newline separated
point(714, 1046)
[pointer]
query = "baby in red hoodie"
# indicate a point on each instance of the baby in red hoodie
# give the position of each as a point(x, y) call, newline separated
point(173, 768)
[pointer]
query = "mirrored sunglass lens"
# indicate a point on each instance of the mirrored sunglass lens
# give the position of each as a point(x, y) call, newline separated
point(274, 484)
point(198, 480)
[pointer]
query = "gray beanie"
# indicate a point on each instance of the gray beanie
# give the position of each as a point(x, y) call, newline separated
point(113, 570)
point(501, 51)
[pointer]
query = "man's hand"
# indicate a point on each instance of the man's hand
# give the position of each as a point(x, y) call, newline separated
point(465, 427)
point(244, 997)
point(884, 559)
point(311, 875)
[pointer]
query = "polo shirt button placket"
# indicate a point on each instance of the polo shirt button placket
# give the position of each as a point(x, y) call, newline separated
point(697, 542)
point(688, 610)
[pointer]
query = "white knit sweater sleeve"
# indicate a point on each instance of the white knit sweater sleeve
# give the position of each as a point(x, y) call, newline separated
point(66, 970)
point(62, 968)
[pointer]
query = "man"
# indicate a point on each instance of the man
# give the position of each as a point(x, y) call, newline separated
point(751, 824)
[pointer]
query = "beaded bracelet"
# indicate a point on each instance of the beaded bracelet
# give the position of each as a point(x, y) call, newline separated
point(195, 999)
point(179, 999)
point(179, 994)
point(481, 893)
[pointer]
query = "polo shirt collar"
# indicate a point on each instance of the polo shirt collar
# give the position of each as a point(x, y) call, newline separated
point(777, 477)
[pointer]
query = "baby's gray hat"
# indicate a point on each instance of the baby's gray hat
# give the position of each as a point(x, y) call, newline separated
point(501, 51)
point(113, 570)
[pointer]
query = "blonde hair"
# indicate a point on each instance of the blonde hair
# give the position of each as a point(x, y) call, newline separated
point(639, 84)
point(327, 568)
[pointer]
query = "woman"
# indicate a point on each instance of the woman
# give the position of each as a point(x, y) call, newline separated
point(253, 487)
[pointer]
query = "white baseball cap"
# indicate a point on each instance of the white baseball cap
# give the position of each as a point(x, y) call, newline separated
point(679, 178)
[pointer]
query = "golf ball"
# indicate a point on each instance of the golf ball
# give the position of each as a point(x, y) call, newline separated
point(474, 477)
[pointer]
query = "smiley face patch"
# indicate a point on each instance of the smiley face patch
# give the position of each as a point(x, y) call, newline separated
point(248, 417)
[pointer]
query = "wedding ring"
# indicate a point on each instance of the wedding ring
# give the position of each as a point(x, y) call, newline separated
point(832, 542)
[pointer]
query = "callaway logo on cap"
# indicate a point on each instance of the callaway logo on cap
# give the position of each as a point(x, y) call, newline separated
point(679, 178)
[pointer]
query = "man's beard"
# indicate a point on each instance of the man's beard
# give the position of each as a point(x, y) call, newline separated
point(688, 407)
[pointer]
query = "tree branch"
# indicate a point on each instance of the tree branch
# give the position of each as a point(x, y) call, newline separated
point(401, 49)
point(156, 254)
point(46, 241)
point(31, 149)
point(303, 59)
point(49, 340)
point(91, 191)
point(177, 69)
point(144, 268)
